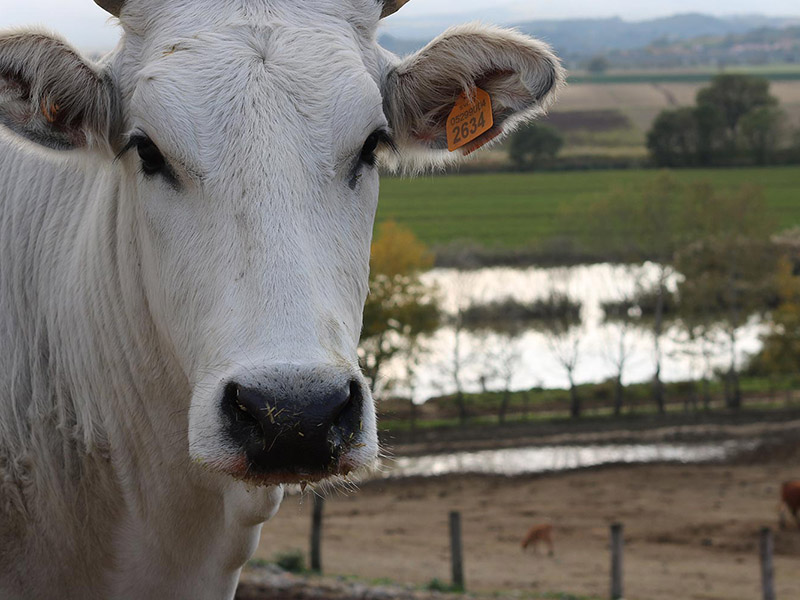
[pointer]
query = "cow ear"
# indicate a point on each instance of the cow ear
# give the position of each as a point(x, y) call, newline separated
point(520, 75)
point(52, 96)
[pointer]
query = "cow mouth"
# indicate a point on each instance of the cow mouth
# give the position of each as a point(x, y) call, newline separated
point(248, 472)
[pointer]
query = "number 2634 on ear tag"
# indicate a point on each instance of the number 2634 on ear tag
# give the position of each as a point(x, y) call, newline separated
point(469, 119)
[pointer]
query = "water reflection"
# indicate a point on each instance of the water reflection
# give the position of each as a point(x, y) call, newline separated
point(519, 461)
point(591, 285)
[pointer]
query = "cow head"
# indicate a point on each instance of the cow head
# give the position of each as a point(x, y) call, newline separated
point(244, 136)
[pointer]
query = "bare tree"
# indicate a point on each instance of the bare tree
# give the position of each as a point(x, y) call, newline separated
point(622, 318)
point(455, 366)
point(563, 332)
point(565, 346)
point(502, 361)
point(411, 361)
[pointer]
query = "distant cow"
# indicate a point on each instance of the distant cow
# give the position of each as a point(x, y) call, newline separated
point(790, 500)
point(185, 230)
point(539, 533)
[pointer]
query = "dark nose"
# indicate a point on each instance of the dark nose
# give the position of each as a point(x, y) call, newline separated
point(299, 433)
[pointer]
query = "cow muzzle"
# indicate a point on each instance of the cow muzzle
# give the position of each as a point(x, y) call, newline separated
point(296, 424)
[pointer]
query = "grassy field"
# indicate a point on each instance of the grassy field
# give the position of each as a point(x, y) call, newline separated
point(787, 73)
point(523, 210)
point(657, 95)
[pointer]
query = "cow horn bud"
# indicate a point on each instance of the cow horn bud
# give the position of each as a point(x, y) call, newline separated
point(112, 6)
point(391, 6)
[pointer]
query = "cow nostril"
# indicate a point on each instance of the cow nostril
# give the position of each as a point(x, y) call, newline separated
point(348, 418)
point(236, 408)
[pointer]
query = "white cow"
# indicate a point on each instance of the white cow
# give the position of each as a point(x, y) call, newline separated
point(184, 242)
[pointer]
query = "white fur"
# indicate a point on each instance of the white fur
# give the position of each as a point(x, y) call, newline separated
point(126, 302)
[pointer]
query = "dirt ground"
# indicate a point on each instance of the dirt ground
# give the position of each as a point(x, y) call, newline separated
point(691, 531)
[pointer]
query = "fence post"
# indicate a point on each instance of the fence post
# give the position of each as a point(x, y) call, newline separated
point(767, 547)
point(316, 534)
point(617, 544)
point(456, 556)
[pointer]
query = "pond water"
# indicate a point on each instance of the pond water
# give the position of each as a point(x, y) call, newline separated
point(543, 459)
point(532, 358)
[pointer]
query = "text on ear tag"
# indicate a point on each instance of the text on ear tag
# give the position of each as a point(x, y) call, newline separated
point(469, 119)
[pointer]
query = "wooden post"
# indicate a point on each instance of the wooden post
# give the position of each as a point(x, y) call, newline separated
point(456, 556)
point(316, 534)
point(617, 544)
point(767, 569)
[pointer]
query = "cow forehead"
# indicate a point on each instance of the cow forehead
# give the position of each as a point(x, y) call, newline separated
point(296, 86)
point(156, 18)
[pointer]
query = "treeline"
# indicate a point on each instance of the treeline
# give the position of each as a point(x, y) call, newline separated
point(735, 121)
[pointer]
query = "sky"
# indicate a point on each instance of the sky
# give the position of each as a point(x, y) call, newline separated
point(87, 26)
point(627, 9)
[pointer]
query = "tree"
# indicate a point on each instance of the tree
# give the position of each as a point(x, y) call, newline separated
point(561, 327)
point(673, 140)
point(509, 356)
point(411, 360)
point(735, 112)
point(729, 267)
point(710, 125)
point(598, 65)
point(732, 96)
point(657, 231)
point(762, 132)
point(499, 363)
point(699, 343)
point(533, 144)
point(794, 146)
point(454, 366)
point(650, 223)
point(781, 352)
point(399, 308)
point(623, 316)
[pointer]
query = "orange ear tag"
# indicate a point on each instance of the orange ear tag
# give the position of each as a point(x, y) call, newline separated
point(468, 120)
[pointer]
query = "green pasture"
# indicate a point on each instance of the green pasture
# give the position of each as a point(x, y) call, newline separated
point(516, 211)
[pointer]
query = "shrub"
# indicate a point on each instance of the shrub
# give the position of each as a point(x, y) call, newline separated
point(293, 561)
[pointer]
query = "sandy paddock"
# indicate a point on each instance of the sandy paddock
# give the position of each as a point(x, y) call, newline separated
point(691, 531)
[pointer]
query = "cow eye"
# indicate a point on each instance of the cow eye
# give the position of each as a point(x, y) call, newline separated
point(368, 150)
point(152, 160)
point(375, 139)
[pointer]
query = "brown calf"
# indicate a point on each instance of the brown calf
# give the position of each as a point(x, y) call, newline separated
point(790, 499)
point(539, 533)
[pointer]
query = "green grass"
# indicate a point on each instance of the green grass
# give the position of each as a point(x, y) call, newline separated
point(522, 210)
point(552, 405)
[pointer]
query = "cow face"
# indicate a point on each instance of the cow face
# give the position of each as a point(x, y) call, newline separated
point(244, 137)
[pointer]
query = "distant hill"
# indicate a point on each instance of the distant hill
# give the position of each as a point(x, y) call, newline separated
point(576, 39)
point(595, 36)
point(762, 46)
